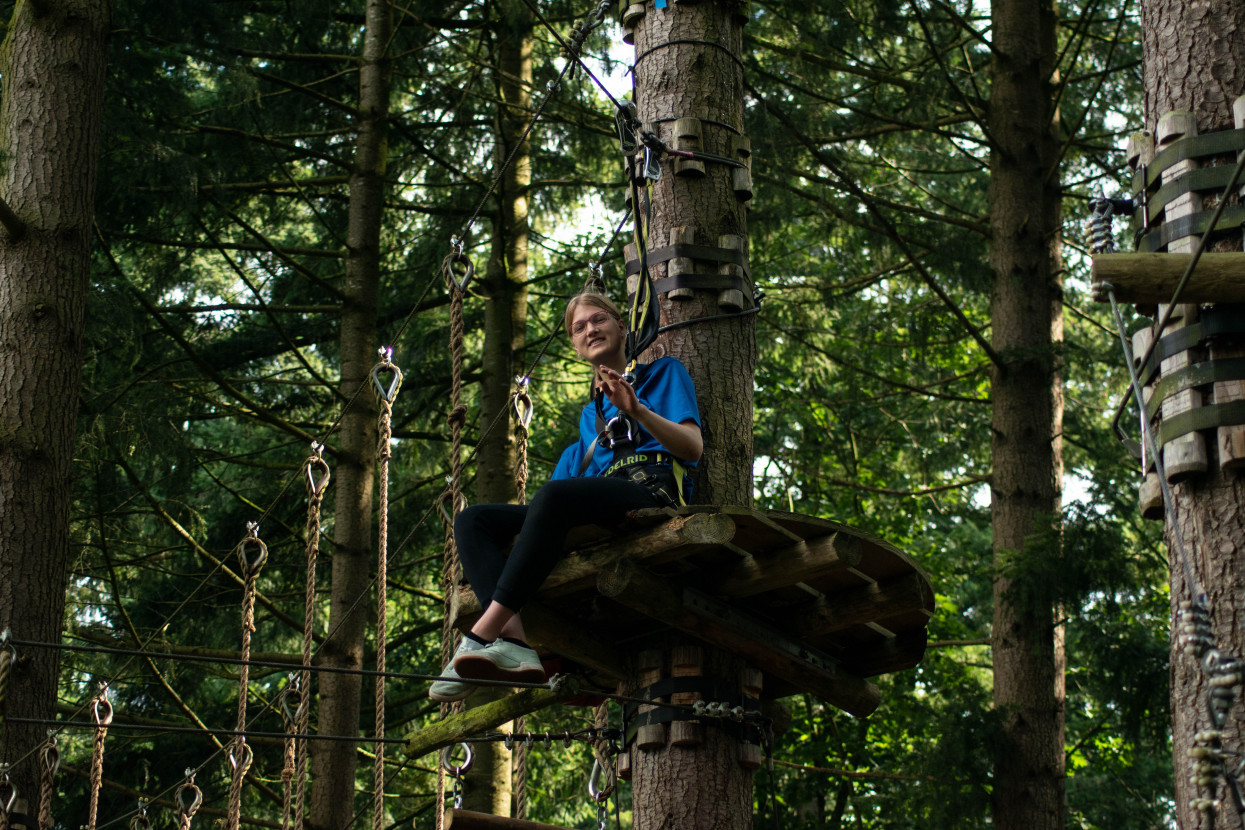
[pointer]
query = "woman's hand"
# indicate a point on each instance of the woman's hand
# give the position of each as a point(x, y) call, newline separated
point(618, 391)
point(682, 440)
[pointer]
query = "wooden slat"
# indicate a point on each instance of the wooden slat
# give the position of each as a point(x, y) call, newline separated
point(1151, 278)
point(762, 645)
point(867, 603)
point(802, 561)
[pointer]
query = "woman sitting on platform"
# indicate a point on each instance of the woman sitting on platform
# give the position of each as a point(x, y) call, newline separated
point(590, 485)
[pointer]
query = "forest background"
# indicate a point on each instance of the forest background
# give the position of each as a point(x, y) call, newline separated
point(221, 297)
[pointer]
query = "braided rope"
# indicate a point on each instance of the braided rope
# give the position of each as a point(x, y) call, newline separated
point(601, 748)
point(302, 717)
point(49, 763)
point(289, 757)
point(520, 771)
point(383, 454)
point(450, 568)
point(103, 717)
point(240, 756)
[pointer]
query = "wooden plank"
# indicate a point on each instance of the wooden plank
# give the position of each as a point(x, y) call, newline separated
point(868, 603)
point(489, 716)
point(796, 563)
point(470, 820)
point(762, 645)
point(676, 537)
point(1152, 278)
point(874, 657)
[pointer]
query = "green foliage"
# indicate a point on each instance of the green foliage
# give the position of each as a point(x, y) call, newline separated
point(212, 354)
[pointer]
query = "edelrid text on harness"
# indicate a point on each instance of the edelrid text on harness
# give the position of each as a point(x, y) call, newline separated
point(620, 435)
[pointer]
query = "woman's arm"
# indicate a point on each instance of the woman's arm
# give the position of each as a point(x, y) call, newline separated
point(683, 440)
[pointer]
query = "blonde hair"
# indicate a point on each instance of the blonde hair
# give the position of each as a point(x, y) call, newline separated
point(593, 299)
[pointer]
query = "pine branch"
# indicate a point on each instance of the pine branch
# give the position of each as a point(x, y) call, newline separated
point(888, 227)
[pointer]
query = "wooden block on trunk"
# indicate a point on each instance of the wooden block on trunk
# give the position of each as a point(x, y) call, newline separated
point(1173, 126)
point(681, 265)
point(732, 299)
point(1186, 455)
point(653, 735)
point(750, 754)
point(1150, 497)
point(689, 136)
point(686, 661)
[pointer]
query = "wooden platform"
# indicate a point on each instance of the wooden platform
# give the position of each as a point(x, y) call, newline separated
point(816, 605)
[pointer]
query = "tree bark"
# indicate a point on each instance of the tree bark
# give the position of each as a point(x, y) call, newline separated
point(335, 763)
point(687, 66)
point(1194, 59)
point(1026, 448)
point(675, 78)
point(53, 63)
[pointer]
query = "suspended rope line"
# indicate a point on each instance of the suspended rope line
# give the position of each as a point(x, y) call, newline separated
point(251, 556)
point(582, 30)
point(289, 755)
point(49, 765)
point(148, 729)
point(318, 474)
point(103, 717)
point(456, 279)
point(386, 395)
point(578, 38)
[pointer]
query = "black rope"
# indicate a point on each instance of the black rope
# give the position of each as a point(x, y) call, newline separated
point(687, 41)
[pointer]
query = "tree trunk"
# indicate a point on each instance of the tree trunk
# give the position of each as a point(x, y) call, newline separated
point(677, 783)
point(488, 787)
point(1194, 60)
point(53, 64)
point(1026, 484)
point(335, 763)
point(688, 79)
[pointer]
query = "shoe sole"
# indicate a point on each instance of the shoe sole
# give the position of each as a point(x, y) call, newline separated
point(452, 698)
point(475, 667)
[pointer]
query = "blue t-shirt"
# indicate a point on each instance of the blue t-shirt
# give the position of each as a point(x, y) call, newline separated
point(664, 386)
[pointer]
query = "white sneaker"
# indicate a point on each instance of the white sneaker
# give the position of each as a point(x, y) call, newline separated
point(501, 660)
point(449, 688)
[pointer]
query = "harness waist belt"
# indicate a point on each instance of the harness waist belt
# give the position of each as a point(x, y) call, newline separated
point(631, 459)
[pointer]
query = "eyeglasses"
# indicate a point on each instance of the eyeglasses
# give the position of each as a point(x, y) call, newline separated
point(597, 320)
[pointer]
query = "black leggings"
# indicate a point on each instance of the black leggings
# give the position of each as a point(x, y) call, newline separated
point(539, 530)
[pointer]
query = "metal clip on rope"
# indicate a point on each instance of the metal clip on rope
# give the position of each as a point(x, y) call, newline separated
point(317, 464)
point(458, 267)
point(457, 772)
point(386, 393)
point(188, 796)
point(140, 820)
point(252, 563)
point(8, 791)
point(102, 707)
point(523, 408)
